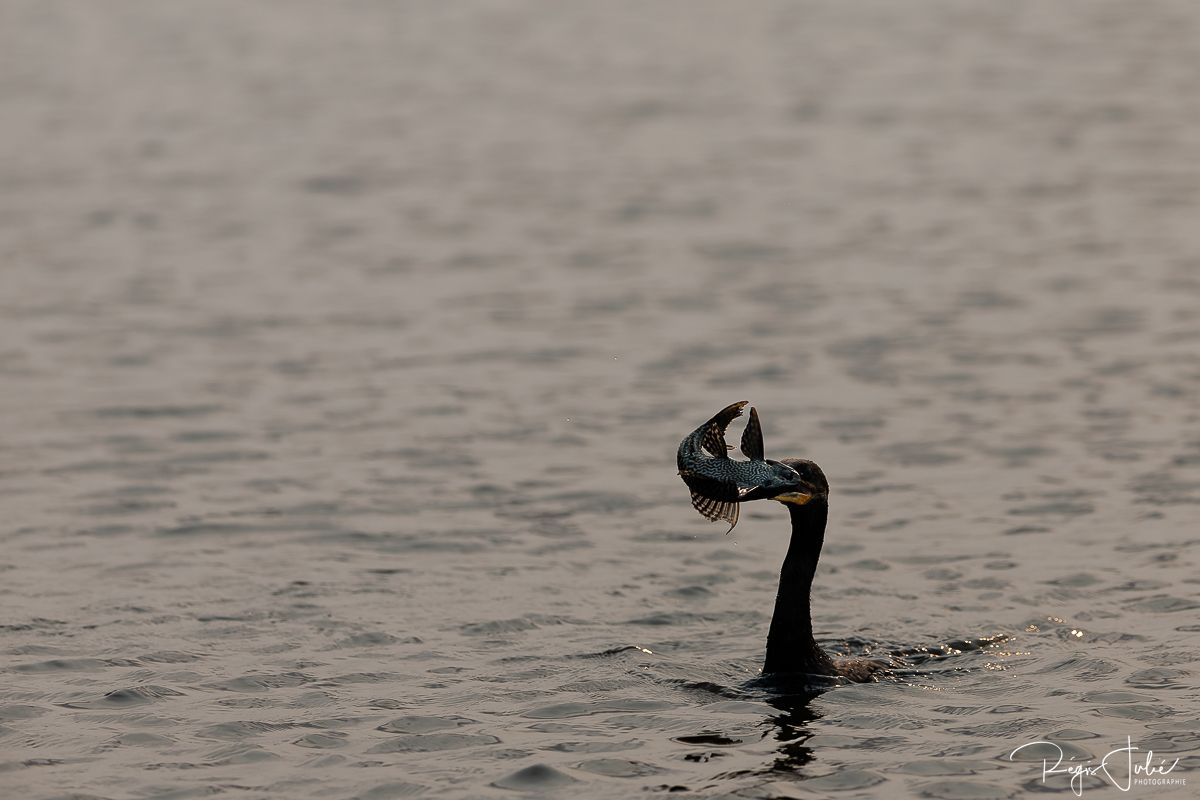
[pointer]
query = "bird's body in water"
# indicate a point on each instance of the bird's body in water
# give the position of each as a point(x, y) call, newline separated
point(803, 488)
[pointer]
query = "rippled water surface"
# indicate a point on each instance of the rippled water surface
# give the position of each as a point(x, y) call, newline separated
point(345, 349)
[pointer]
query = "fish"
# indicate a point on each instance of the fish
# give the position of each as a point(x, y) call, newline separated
point(717, 482)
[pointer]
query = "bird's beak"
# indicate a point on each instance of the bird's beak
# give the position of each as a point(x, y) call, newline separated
point(794, 498)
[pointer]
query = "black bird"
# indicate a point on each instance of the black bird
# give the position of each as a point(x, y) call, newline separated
point(802, 487)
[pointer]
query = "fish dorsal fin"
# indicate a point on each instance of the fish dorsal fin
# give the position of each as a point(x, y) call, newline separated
point(714, 430)
point(714, 510)
point(752, 440)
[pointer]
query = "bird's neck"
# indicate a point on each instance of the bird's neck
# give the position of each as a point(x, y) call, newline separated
point(790, 643)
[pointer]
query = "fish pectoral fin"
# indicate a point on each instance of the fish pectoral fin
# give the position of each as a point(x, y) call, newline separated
point(714, 510)
point(713, 439)
point(752, 438)
point(713, 442)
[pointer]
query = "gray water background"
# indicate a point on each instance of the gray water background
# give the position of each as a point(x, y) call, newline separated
point(345, 348)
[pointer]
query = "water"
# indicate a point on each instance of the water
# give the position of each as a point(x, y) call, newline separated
point(346, 347)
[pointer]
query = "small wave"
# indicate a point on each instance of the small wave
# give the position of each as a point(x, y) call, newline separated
point(133, 696)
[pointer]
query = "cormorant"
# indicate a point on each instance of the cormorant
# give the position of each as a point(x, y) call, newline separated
point(719, 483)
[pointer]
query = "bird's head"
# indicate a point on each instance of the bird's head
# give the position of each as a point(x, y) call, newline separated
point(796, 481)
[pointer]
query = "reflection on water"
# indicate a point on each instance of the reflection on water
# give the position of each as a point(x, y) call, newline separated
point(346, 352)
point(792, 731)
